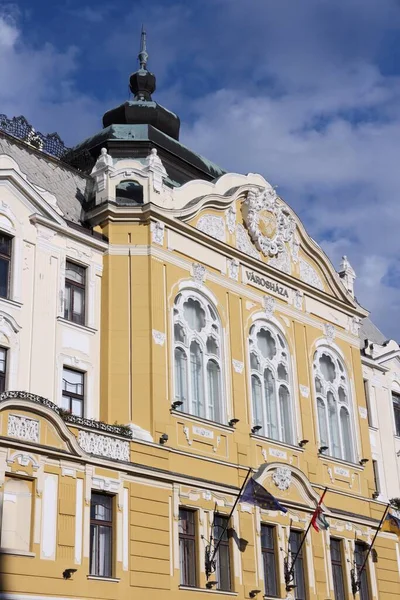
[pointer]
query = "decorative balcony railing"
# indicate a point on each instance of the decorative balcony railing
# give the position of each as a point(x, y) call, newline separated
point(122, 430)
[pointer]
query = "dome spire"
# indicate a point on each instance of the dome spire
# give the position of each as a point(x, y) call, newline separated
point(143, 56)
point(142, 83)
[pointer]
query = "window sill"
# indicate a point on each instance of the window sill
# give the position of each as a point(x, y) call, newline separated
point(109, 579)
point(188, 588)
point(339, 461)
point(76, 325)
point(205, 422)
point(276, 442)
point(11, 302)
point(18, 552)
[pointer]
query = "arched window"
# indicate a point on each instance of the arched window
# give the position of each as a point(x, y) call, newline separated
point(333, 407)
point(129, 191)
point(270, 383)
point(198, 357)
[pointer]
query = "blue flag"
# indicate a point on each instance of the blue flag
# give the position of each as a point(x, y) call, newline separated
point(395, 521)
point(255, 494)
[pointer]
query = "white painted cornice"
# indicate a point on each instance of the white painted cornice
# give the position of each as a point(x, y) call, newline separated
point(11, 173)
point(75, 234)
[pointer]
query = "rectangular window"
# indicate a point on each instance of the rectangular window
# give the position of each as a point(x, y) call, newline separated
point(295, 540)
point(269, 560)
point(101, 535)
point(17, 514)
point(396, 410)
point(376, 477)
point(360, 550)
point(187, 547)
point(73, 391)
point(3, 369)
point(337, 569)
point(368, 402)
point(75, 284)
point(5, 265)
point(223, 568)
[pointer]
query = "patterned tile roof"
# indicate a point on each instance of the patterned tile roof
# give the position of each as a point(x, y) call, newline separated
point(70, 187)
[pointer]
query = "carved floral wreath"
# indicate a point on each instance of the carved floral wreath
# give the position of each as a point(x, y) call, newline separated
point(271, 241)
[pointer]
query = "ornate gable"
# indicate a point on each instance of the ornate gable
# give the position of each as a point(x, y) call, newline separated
point(253, 219)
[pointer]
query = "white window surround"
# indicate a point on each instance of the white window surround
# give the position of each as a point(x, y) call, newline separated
point(334, 406)
point(90, 290)
point(9, 226)
point(271, 383)
point(90, 405)
point(198, 357)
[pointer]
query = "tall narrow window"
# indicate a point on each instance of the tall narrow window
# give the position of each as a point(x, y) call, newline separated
point(187, 547)
point(299, 580)
point(73, 392)
point(269, 560)
point(337, 569)
point(376, 477)
point(270, 383)
point(334, 411)
point(198, 358)
point(101, 534)
point(360, 550)
point(368, 402)
point(3, 369)
point(223, 569)
point(17, 514)
point(5, 265)
point(396, 411)
point(75, 282)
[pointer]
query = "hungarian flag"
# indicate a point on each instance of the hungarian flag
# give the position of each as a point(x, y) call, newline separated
point(256, 494)
point(318, 520)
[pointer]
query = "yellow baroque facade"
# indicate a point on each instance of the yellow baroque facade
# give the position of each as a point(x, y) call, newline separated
point(227, 342)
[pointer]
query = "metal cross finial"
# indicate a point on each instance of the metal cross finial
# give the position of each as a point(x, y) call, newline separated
point(143, 56)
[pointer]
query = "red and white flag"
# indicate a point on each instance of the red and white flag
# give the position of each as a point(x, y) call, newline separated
point(318, 520)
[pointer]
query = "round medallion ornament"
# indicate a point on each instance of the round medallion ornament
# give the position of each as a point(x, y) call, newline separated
point(268, 221)
point(282, 478)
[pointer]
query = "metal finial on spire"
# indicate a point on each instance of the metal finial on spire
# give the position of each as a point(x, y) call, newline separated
point(143, 56)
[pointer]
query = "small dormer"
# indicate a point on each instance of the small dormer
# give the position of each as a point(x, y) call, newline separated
point(128, 182)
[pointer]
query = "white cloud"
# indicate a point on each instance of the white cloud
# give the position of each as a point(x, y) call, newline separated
point(39, 83)
point(339, 174)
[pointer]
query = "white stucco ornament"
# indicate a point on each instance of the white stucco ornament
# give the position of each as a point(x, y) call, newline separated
point(298, 300)
point(104, 160)
point(330, 332)
point(230, 217)
point(233, 268)
point(269, 305)
point(212, 226)
point(282, 477)
point(268, 221)
point(23, 428)
point(199, 273)
point(155, 166)
point(157, 232)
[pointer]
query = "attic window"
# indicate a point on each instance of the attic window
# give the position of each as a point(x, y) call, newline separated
point(129, 191)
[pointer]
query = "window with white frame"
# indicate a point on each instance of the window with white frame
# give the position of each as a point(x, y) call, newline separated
point(272, 399)
point(198, 357)
point(334, 412)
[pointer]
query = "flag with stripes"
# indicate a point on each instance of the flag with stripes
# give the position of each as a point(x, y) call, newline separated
point(318, 520)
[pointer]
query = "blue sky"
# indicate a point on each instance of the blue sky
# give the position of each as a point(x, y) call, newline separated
point(306, 93)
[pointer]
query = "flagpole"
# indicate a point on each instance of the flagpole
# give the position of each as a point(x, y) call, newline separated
point(230, 514)
point(304, 539)
point(372, 543)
